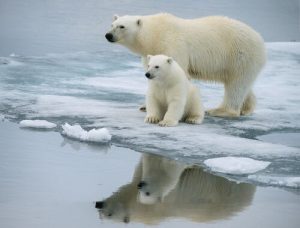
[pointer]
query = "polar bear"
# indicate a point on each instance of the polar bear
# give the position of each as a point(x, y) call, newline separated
point(197, 196)
point(171, 97)
point(214, 48)
point(159, 178)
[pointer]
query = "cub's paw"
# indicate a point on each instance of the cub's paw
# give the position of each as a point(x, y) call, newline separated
point(194, 120)
point(168, 123)
point(151, 119)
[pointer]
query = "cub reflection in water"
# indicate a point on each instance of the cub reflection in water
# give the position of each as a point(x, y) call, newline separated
point(162, 188)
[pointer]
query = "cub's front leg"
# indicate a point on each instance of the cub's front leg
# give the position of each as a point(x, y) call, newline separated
point(153, 110)
point(174, 114)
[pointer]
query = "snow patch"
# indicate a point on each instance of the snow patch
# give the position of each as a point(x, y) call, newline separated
point(94, 135)
point(235, 165)
point(293, 182)
point(37, 124)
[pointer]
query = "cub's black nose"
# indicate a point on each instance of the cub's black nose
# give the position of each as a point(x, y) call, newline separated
point(99, 204)
point(147, 75)
point(141, 184)
point(109, 37)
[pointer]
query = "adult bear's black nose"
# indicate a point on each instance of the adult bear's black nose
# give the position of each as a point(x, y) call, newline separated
point(141, 184)
point(109, 37)
point(147, 75)
point(99, 204)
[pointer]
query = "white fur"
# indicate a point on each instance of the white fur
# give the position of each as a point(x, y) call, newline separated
point(171, 97)
point(212, 48)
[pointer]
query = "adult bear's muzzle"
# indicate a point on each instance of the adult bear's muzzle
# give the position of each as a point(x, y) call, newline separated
point(99, 204)
point(109, 37)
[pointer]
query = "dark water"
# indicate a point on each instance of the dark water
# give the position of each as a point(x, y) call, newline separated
point(36, 27)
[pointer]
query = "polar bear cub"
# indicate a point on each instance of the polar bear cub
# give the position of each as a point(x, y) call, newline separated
point(171, 97)
point(159, 177)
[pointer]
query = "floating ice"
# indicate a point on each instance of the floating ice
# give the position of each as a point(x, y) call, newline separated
point(94, 135)
point(37, 124)
point(293, 182)
point(235, 165)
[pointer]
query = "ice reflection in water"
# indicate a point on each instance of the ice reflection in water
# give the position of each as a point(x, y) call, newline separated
point(162, 188)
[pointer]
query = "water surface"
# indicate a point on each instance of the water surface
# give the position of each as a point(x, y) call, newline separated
point(51, 181)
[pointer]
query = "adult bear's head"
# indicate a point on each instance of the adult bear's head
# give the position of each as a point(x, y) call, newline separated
point(124, 29)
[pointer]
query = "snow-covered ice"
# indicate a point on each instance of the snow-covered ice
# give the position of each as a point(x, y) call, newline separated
point(235, 165)
point(105, 89)
point(93, 135)
point(37, 124)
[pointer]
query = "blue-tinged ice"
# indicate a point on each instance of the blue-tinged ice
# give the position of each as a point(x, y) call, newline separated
point(235, 165)
point(94, 135)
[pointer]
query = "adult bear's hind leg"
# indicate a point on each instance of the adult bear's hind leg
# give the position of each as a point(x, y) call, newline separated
point(249, 104)
point(235, 93)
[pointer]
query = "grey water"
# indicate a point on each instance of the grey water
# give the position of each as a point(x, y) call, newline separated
point(48, 180)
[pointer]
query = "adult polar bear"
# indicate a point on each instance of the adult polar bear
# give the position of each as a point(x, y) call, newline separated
point(213, 48)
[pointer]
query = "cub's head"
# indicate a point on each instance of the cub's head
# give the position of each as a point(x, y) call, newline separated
point(124, 29)
point(149, 193)
point(158, 66)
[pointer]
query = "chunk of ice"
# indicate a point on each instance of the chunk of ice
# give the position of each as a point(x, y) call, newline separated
point(293, 182)
point(94, 135)
point(235, 165)
point(37, 124)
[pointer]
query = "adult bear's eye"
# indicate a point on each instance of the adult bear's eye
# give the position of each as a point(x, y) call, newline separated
point(122, 27)
point(156, 67)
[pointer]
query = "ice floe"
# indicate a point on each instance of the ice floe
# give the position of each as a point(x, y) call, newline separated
point(106, 89)
point(93, 135)
point(37, 124)
point(235, 165)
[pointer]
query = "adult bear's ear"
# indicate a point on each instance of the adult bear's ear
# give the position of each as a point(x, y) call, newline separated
point(169, 60)
point(115, 17)
point(149, 57)
point(139, 22)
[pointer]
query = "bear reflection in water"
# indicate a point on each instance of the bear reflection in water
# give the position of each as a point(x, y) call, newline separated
point(162, 188)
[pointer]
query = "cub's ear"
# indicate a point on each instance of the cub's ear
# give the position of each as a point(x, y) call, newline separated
point(115, 17)
point(149, 57)
point(139, 22)
point(170, 60)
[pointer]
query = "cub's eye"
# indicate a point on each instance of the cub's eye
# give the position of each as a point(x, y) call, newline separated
point(122, 27)
point(156, 67)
